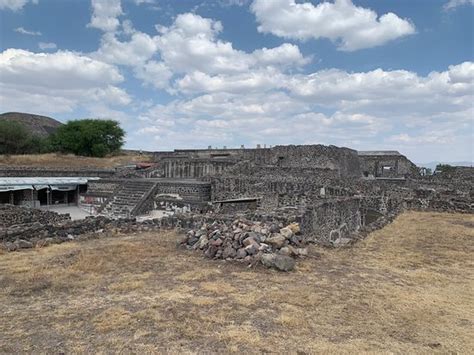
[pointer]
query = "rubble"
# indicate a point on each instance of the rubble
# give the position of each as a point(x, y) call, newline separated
point(248, 241)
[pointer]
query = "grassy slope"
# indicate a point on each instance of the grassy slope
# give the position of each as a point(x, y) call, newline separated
point(406, 288)
point(69, 161)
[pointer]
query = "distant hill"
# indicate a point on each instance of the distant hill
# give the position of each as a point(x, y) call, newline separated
point(432, 165)
point(38, 125)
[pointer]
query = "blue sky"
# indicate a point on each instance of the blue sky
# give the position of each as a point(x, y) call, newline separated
point(366, 74)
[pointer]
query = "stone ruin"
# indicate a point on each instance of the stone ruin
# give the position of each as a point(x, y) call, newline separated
point(255, 205)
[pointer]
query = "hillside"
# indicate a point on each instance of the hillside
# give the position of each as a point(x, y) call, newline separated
point(54, 160)
point(38, 125)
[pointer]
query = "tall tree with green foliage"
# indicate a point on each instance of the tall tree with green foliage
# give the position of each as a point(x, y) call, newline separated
point(15, 139)
point(88, 137)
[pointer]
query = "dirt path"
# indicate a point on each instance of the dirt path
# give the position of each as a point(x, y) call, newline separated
point(406, 288)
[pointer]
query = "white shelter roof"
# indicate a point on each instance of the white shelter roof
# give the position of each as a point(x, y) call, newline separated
point(21, 183)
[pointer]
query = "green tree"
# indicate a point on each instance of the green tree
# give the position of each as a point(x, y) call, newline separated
point(89, 137)
point(445, 168)
point(15, 139)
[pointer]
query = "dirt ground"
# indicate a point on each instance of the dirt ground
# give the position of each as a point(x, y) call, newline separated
point(405, 289)
point(54, 160)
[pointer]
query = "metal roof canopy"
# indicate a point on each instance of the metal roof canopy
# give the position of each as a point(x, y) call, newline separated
point(29, 181)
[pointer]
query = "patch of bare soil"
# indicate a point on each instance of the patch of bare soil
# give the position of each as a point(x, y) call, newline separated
point(406, 288)
point(54, 160)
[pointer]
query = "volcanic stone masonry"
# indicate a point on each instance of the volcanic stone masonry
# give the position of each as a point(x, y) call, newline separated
point(241, 204)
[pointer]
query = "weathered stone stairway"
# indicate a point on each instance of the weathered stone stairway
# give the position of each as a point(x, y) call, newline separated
point(128, 198)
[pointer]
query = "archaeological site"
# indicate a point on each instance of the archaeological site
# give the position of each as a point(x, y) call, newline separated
point(253, 205)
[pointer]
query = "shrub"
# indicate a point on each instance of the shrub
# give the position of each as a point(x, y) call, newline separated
point(88, 137)
point(15, 139)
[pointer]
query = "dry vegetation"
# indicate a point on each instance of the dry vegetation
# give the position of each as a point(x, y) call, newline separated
point(406, 288)
point(54, 160)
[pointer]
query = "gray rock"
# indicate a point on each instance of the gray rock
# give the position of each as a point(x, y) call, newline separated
point(23, 244)
point(241, 253)
point(181, 239)
point(287, 250)
point(211, 252)
point(277, 261)
point(255, 236)
point(277, 241)
point(286, 232)
point(249, 241)
point(274, 228)
point(203, 241)
point(193, 240)
point(216, 242)
point(229, 252)
point(301, 251)
point(251, 249)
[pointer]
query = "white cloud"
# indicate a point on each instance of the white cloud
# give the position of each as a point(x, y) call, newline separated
point(227, 96)
point(139, 2)
point(154, 73)
point(360, 110)
point(349, 26)
point(462, 73)
point(104, 15)
point(191, 44)
point(452, 4)
point(27, 32)
point(15, 5)
point(285, 55)
point(255, 81)
point(190, 47)
point(384, 91)
point(57, 82)
point(47, 45)
point(134, 52)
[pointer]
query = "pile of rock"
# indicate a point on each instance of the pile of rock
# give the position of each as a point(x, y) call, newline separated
point(272, 244)
point(11, 215)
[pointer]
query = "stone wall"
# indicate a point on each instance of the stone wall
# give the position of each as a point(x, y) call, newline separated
point(275, 186)
point(197, 191)
point(16, 215)
point(332, 221)
point(184, 168)
point(392, 166)
point(97, 194)
point(212, 162)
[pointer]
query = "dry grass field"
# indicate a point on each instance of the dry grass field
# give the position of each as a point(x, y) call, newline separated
point(55, 160)
point(405, 289)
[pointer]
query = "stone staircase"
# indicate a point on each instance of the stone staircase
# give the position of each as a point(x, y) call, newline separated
point(128, 198)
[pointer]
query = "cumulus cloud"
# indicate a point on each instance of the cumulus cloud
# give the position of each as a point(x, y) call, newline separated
point(229, 96)
point(222, 95)
point(349, 26)
point(452, 4)
point(104, 15)
point(191, 47)
point(251, 81)
point(57, 82)
point(360, 110)
point(136, 51)
point(154, 73)
point(27, 32)
point(191, 43)
point(139, 2)
point(15, 5)
point(47, 45)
